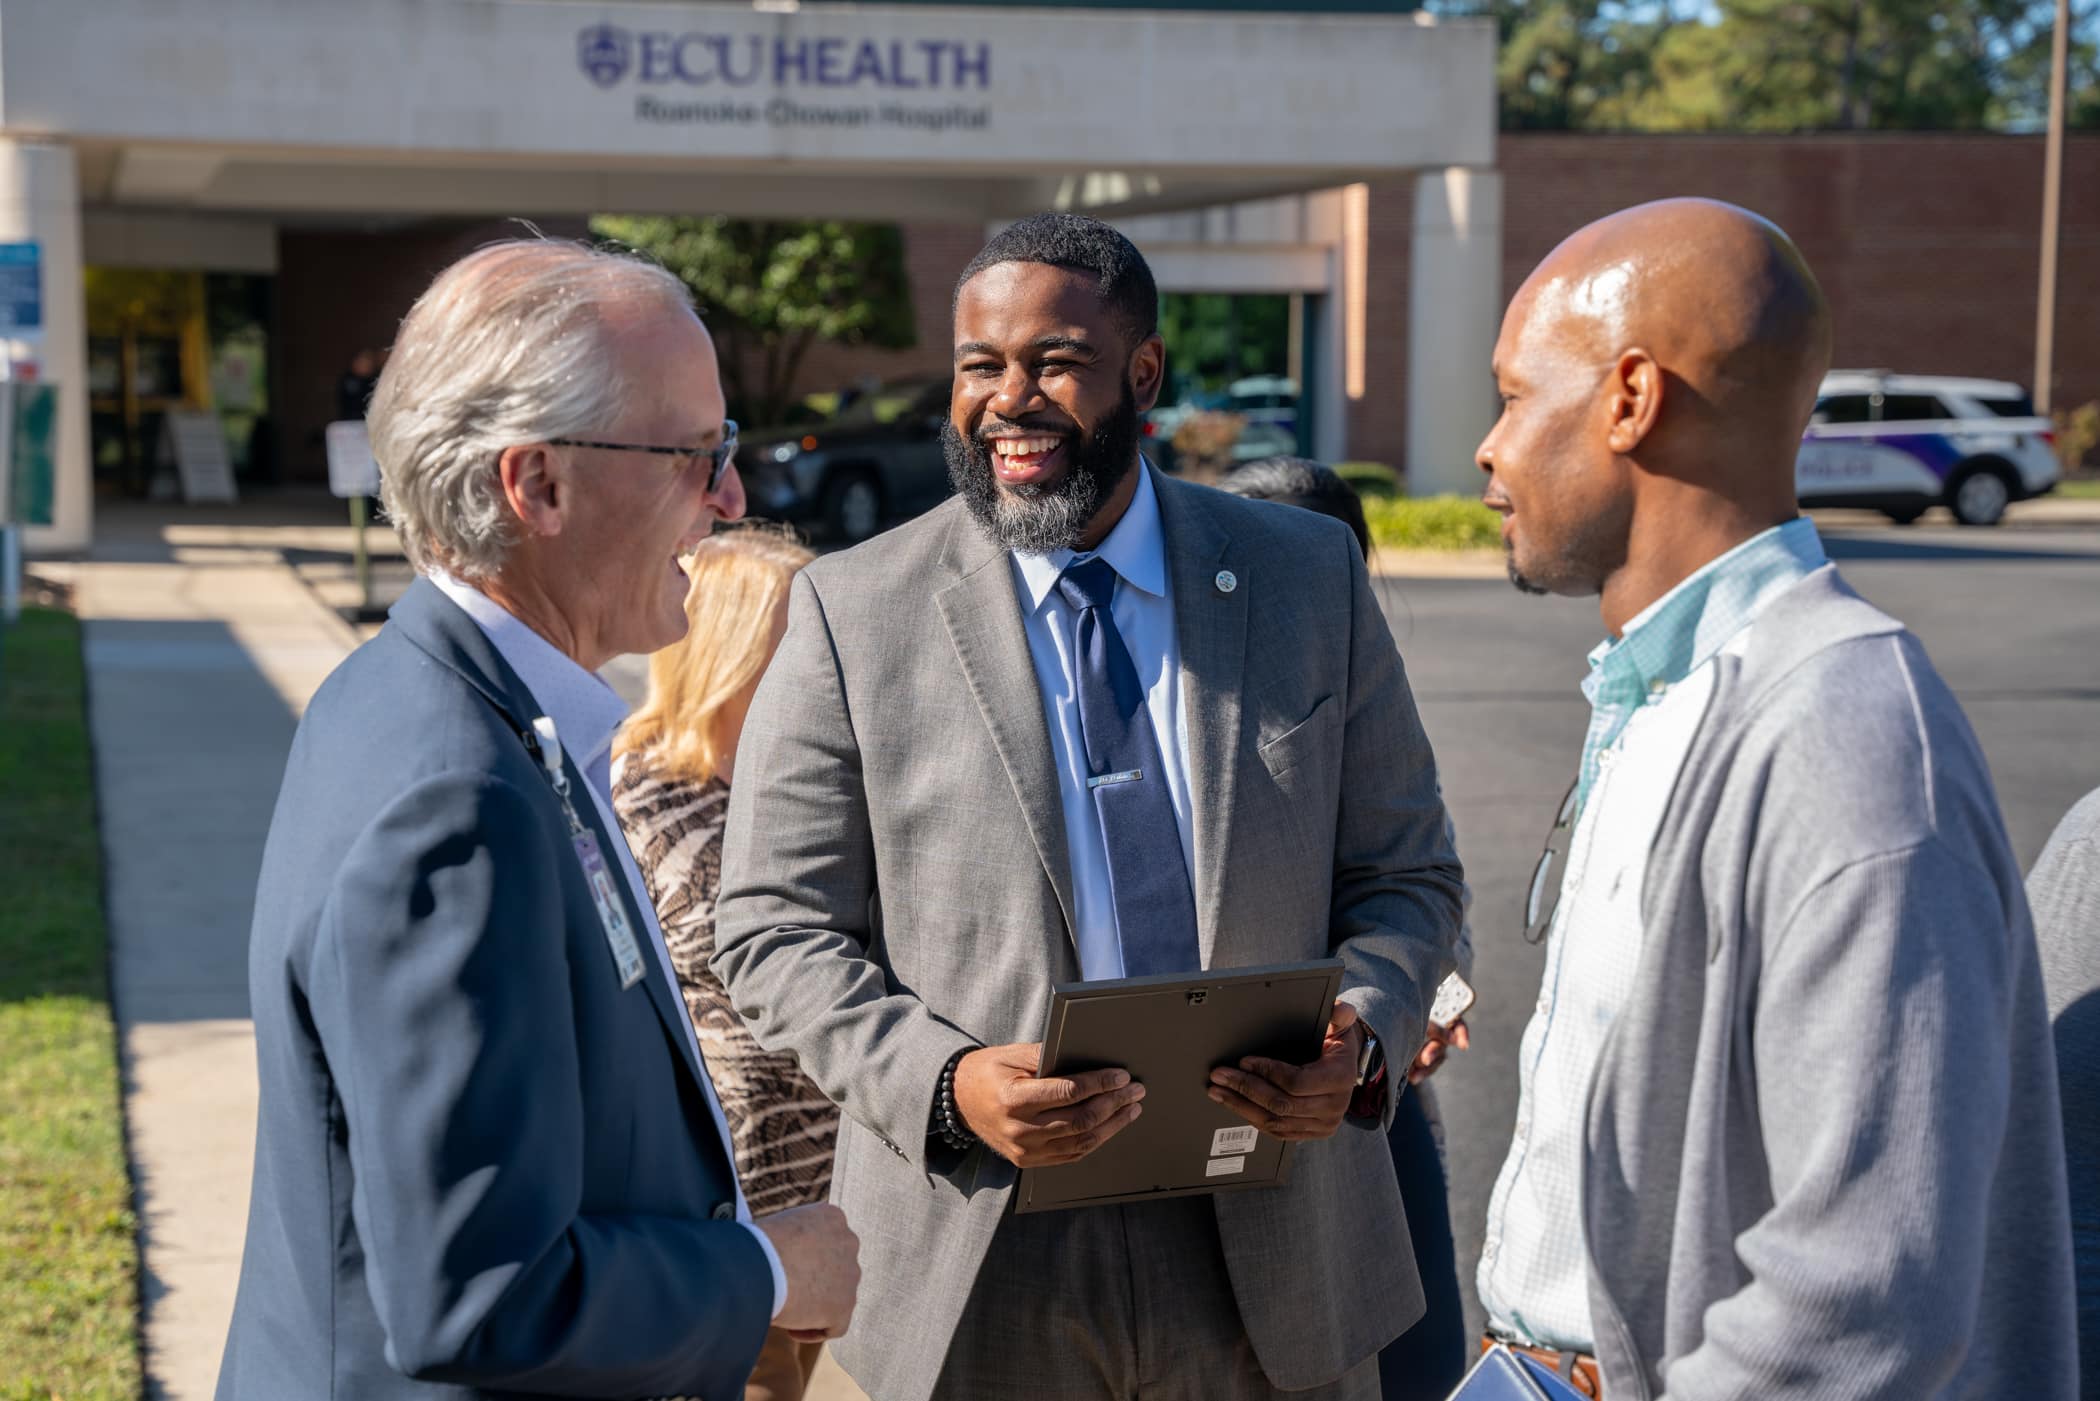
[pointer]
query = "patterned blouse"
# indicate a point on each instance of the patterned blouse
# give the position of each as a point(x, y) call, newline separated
point(783, 1126)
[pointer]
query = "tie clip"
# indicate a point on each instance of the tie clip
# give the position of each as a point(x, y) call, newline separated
point(1127, 776)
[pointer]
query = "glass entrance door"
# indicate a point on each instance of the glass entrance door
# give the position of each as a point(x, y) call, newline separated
point(1236, 380)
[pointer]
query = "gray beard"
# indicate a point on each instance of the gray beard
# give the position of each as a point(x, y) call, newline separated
point(1035, 522)
point(1044, 520)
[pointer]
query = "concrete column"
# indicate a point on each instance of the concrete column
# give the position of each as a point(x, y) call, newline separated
point(40, 200)
point(1454, 309)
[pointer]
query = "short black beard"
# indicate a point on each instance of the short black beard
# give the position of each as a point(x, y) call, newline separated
point(1044, 520)
point(1516, 575)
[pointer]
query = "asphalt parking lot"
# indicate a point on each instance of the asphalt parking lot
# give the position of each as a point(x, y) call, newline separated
point(2011, 618)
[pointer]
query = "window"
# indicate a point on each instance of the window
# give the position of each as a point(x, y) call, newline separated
point(2019, 406)
point(1843, 408)
point(1913, 408)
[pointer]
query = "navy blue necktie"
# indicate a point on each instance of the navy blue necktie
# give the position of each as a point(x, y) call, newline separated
point(1147, 876)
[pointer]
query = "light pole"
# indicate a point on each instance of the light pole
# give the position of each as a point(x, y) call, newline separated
point(2052, 199)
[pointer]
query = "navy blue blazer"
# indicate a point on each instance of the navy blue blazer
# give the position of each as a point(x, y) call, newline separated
point(482, 1168)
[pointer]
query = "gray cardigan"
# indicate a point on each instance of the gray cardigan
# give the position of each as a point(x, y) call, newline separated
point(2064, 887)
point(1825, 1159)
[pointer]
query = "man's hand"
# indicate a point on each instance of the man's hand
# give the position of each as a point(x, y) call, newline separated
point(821, 1257)
point(1296, 1101)
point(1041, 1123)
point(1436, 1048)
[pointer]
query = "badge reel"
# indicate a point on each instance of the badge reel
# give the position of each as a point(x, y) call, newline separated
point(612, 916)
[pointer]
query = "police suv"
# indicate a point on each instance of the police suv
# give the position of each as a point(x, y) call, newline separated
point(1902, 444)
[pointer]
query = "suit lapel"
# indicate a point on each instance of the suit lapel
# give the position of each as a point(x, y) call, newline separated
point(983, 617)
point(437, 626)
point(1210, 625)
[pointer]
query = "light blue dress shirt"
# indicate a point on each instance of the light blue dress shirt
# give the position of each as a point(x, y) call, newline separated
point(1144, 612)
point(1680, 632)
point(586, 713)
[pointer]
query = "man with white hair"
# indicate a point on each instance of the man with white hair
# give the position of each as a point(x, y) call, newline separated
point(488, 1158)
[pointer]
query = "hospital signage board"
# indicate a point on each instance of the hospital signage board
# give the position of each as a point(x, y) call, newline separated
point(915, 87)
point(21, 288)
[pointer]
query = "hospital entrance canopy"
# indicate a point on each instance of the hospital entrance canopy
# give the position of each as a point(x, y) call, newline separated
point(144, 114)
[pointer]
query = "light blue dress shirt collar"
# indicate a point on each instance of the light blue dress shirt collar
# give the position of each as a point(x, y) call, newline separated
point(1136, 549)
point(1681, 631)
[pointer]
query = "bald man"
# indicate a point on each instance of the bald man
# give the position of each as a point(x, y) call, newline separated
point(1788, 1123)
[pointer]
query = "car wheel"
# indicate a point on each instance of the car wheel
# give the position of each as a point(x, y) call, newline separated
point(1980, 496)
point(1904, 515)
point(853, 506)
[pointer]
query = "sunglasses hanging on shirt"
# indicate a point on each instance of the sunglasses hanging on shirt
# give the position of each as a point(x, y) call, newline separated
point(1546, 878)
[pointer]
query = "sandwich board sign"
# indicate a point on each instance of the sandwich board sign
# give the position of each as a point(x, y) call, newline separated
point(352, 471)
point(197, 441)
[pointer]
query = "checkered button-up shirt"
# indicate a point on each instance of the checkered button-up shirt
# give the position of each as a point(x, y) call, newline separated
point(1648, 692)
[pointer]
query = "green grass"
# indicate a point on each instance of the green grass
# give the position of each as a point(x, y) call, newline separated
point(1432, 523)
point(2086, 489)
point(68, 1253)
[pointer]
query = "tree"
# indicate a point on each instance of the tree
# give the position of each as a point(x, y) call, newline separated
point(1793, 65)
point(771, 289)
point(1569, 64)
point(1782, 65)
point(2024, 96)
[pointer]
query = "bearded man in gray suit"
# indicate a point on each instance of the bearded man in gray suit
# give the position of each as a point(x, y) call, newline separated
point(922, 843)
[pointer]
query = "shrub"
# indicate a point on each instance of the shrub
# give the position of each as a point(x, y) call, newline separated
point(1203, 444)
point(1432, 523)
point(2077, 434)
point(1369, 478)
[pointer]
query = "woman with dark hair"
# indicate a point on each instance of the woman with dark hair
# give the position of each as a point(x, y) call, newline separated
point(1300, 481)
point(1427, 1361)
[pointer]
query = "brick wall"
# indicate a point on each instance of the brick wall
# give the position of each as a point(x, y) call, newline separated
point(1926, 244)
point(339, 293)
point(935, 255)
point(1377, 423)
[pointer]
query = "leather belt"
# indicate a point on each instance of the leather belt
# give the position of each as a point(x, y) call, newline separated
point(1577, 1369)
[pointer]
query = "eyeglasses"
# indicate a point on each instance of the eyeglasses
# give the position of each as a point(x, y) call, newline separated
point(718, 456)
point(1544, 898)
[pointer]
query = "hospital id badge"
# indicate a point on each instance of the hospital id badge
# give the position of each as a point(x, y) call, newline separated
point(619, 935)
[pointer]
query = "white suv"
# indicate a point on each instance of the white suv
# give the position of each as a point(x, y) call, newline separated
point(1902, 444)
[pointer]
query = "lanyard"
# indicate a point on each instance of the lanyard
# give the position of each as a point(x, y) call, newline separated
point(544, 743)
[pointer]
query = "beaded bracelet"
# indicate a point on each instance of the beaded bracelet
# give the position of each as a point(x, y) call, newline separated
point(948, 1125)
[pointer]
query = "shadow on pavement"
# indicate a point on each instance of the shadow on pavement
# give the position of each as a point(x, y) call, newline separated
point(190, 739)
point(1852, 547)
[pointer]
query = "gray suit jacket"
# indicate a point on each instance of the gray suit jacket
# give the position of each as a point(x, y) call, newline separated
point(481, 1168)
point(896, 887)
point(1825, 1162)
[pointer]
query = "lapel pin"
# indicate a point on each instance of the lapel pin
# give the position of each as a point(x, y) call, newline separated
point(1227, 581)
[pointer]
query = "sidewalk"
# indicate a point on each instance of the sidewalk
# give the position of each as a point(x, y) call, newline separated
point(200, 656)
point(205, 636)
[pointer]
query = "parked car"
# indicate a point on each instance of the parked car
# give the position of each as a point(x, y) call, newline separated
point(1902, 444)
point(876, 459)
point(1267, 406)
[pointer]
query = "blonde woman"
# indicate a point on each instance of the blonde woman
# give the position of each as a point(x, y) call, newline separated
point(675, 759)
